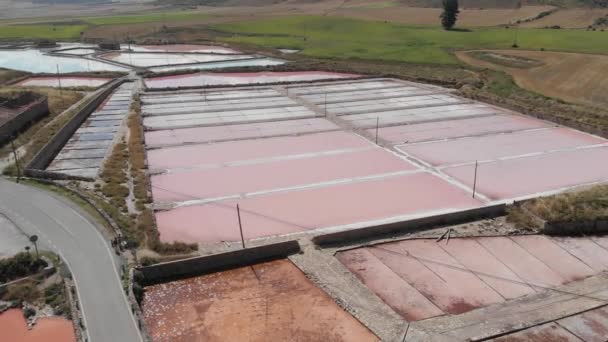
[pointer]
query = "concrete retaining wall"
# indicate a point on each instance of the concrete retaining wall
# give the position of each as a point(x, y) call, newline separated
point(599, 226)
point(424, 223)
point(33, 112)
point(179, 269)
point(46, 155)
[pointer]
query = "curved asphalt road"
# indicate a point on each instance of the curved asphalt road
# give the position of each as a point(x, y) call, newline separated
point(93, 264)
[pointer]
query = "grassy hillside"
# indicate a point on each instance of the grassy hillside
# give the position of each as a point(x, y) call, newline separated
point(57, 32)
point(348, 38)
point(411, 3)
point(144, 18)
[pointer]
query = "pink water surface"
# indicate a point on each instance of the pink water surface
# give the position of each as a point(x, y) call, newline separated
point(437, 130)
point(491, 147)
point(232, 151)
point(200, 79)
point(303, 210)
point(514, 178)
point(225, 181)
point(233, 132)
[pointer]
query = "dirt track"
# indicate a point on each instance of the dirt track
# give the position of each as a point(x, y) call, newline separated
point(572, 77)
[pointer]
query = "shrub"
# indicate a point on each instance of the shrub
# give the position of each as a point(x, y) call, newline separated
point(29, 312)
point(22, 292)
point(147, 261)
point(19, 266)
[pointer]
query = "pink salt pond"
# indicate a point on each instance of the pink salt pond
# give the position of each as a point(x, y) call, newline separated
point(536, 174)
point(497, 146)
point(198, 156)
point(64, 81)
point(203, 79)
point(411, 195)
point(282, 174)
point(13, 328)
point(437, 130)
point(236, 132)
point(422, 278)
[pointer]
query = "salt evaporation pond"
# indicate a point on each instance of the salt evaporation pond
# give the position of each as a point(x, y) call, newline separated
point(202, 79)
point(223, 64)
point(77, 52)
point(50, 329)
point(179, 48)
point(36, 61)
point(142, 59)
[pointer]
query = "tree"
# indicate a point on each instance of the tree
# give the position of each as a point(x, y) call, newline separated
point(450, 14)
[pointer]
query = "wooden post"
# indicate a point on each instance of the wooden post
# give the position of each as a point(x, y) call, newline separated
point(325, 106)
point(475, 179)
point(238, 212)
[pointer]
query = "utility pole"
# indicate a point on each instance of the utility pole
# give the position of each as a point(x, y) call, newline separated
point(59, 81)
point(475, 179)
point(238, 212)
point(16, 158)
point(377, 126)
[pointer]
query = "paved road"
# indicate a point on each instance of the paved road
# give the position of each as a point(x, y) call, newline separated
point(94, 267)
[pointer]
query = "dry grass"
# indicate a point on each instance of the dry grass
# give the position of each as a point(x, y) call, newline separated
point(572, 213)
point(572, 77)
point(25, 291)
point(510, 61)
point(590, 204)
point(569, 18)
point(38, 134)
point(114, 175)
point(472, 17)
point(7, 75)
point(145, 230)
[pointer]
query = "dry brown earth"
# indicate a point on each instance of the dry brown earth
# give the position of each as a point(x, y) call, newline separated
point(569, 18)
point(572, 77)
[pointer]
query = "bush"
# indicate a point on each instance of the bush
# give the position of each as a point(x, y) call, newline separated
point(138, 292)
point(54, 296)
point(22, 292)
point(147, 261)
point(29, 312)
point(19, 266)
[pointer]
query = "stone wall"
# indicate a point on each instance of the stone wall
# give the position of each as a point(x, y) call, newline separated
point(190, 267)
point(31, 113)
point(409, 226)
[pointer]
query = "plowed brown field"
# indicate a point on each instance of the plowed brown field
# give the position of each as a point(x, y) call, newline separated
point(572, 77)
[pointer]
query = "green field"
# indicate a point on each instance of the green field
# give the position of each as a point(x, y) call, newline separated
point(144, 18)
point(350, 38)
point(57, 32)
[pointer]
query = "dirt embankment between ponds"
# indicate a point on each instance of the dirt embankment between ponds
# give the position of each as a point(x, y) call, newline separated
point(572, 77)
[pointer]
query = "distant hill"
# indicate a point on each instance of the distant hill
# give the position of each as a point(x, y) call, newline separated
point(508, 3)
point(411, 3)
point(53, 2)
